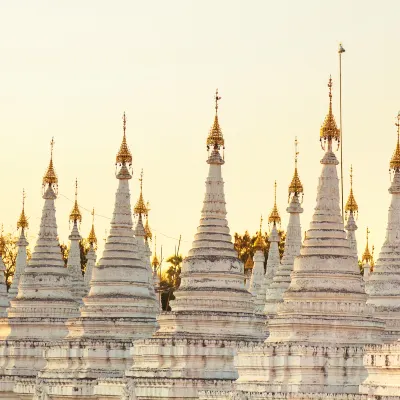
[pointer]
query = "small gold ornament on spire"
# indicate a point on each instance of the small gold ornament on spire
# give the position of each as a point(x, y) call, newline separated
point(140, 207)
point(329, 130)
point(23, 220)
point(366, 257)
point(155, 262)
point(92, 239)
point(260, 244)
point(147, 230)
point(75, 215)
point(395, 161)
point(274, 217)
point(215, 139)
point(124, 155)
point(351, 205)
point(295, 187)
point(50, 177)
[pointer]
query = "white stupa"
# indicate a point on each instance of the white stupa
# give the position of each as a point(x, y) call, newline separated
point(21, 261)
point(37, 316)
point(74, 255)
point(281, 279)
point(3, 286)
point(118, 309)
point(91, 255)
point(212, 311)
point(351, 210)
point(315, 347)
point(383, 286)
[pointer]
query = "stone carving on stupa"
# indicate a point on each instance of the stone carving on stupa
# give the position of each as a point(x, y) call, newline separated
point(74, 254)
point(351, 213)
point(383, 286)
point(117, 310)
point(38, 314)
point(316, 339)
point(91, 255)
point(212, 311)
point(22, 243)
point(281, 279)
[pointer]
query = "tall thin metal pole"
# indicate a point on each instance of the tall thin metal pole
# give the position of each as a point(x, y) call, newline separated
point(341, 50)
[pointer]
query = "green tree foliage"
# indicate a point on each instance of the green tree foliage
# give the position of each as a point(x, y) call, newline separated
point(10, 257)
point(244, 244)
point(171, 279)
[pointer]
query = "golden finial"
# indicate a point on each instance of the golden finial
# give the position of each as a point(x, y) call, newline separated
point(215, 139)
point(260, 244)
point(274, 217)
point(329, 130)
point(366, 257)
point(2, 241)
point(140, 207)
point(395, 161)
point(249, 264)
point(92, 239)
point(124, 155)
point(147, 230)
point(23, 221)
point(351, 205)
point(50, 176)
point(155, 262)
point(295, 186)
point(75, 213)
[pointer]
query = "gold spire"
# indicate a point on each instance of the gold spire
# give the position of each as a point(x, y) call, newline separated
point(124, 155)
point(274, 217)
point(329, 130)
point(92, 235)
point(2, 241)
point(23, 221)
point(395, 161)
point(260, 244)
point(366, 257)
point(75, 213)
point(155, 262)
point(140, 207)
point(215, 139)
point(50, 176)
point(351, 205)
point(147, 230)
point(249, 264)
point(295, 186)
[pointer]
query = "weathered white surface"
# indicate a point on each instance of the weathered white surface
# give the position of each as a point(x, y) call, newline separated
point(316, 339)
point(74, 265)
point(38, 315)
point(257, 280)
point(351, 228)
point(195, 345)
point(281, 279)
point(118, 309)
point(91, 263)
point(3, 290)
point(383, 286)
point(20, 264)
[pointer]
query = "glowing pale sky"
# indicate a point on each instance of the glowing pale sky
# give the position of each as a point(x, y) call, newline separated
point(70, 69)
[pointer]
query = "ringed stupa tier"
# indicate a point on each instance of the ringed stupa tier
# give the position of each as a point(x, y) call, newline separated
point(91, 255)
point(74, 255)
point(281, 279)
point(383, 285)
point(316, 340)
point(351, 211)
point(273, 260)
point(118, 309)
point(22, 243)
point(212, 311)
point(258, 274)
point(37, 316)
